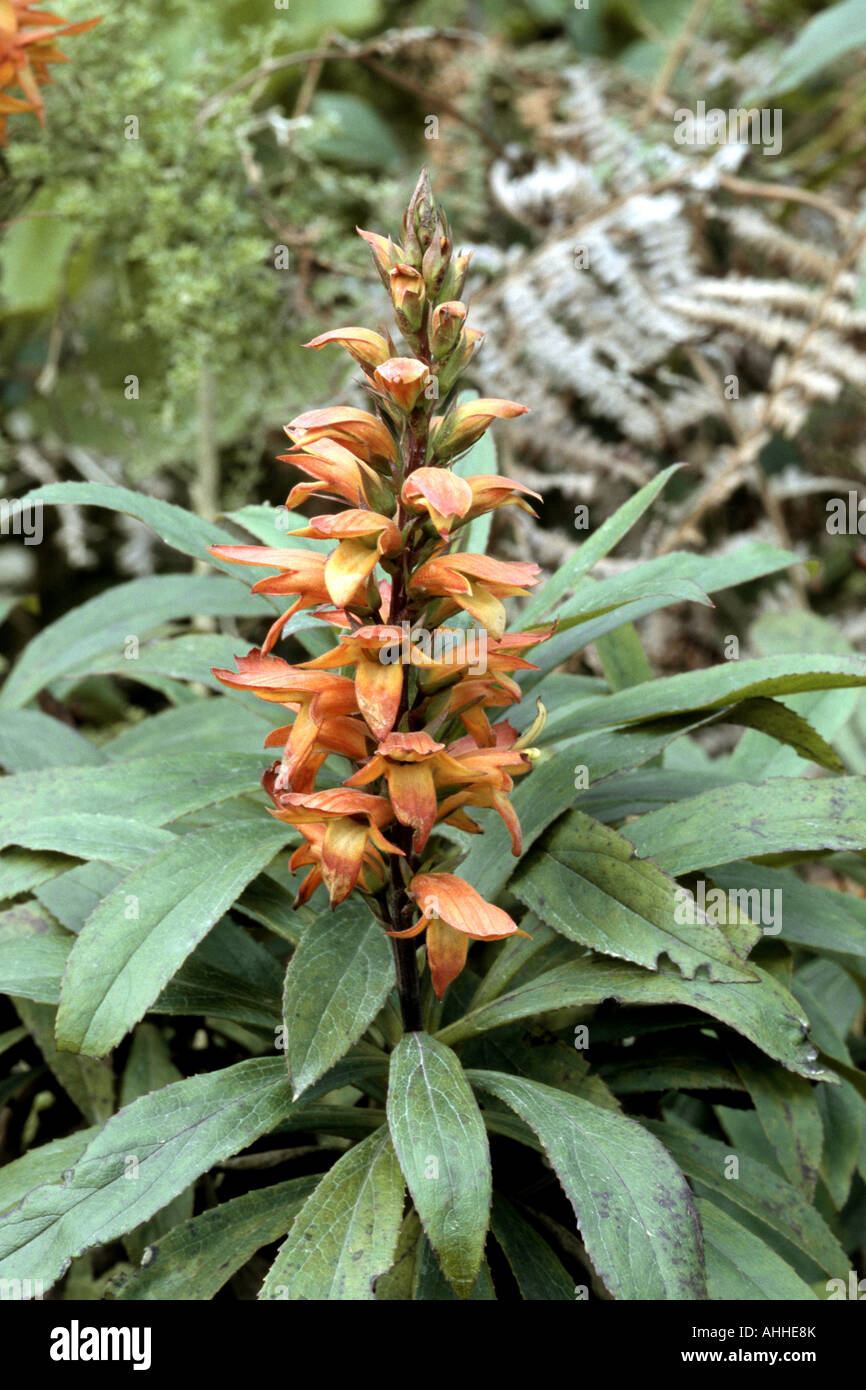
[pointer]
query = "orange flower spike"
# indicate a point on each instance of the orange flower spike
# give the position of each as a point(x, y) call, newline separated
point(357, 430)
point(457, 431)
point(443, 495)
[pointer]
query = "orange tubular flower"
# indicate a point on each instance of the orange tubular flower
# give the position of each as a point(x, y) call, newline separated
point(368, 348)
point(338, 473)
point(27, 48)
point(363, 537)
point(405, 702)
point(378, 683)
point(455, 433)
point(476, 583)
point(352, 819)
point(403, 379)
point(452, 911)
point(360, 432)
point(302, 572)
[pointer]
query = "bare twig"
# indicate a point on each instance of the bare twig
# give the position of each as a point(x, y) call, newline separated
point(676, 53)
point(340, 49)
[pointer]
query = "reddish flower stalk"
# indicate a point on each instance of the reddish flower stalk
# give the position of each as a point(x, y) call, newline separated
point(411, 717)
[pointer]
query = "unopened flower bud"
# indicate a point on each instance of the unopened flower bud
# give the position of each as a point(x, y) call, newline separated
point(437, 257)
point(385, 254)
point(459, 358)
point(420, 221)
point(403, 379)
point(461, 427)
point(408, 295)
point(447, 321)
point(455, 276)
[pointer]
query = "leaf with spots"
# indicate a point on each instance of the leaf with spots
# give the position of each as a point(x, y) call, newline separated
point(633, 1205)
point(346, 1233)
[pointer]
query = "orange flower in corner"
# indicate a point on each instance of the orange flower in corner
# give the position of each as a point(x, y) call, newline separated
point(27, 48)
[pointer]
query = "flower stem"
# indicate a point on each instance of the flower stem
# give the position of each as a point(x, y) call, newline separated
point(408, 984)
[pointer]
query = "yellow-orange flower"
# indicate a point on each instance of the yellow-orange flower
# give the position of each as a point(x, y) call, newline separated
point(353, 821)
point(363, 536)
point(453, 911)
point(476, 583)
point(362, 433)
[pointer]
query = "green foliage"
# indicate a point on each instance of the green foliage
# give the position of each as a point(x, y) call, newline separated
point(636, 1050)
point(152, 242)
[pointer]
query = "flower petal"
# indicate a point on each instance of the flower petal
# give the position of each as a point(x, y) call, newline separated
point(446, 953)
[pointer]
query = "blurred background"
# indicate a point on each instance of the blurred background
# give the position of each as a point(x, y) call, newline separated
point(186, 222)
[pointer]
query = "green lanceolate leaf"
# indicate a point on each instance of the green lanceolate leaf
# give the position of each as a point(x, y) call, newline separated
point(148, 1068)
point(22, 870)
point(336, 982)
point(141, 1158)
point(153, 790)
point(88, 1083)
point(787, 1107)
point(179, 528)
point(745, 821)
point(431, 1286)
point(222, 720)
point(113, 839)
point(756, 1190)
point(30, 739)
point(44, 1164)
point(195, 1260)
point(81, 640)
point(805, 914)
point(441, 1142)
point(714, 686)
point(740, 1265)
point(632, 1204)
point(586, 882)
point(764, 1012)
point(346, 1233)
point(33, 952)
point(540, 1275)
point(666, 574)
point(608, 535)
point(141, 934)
